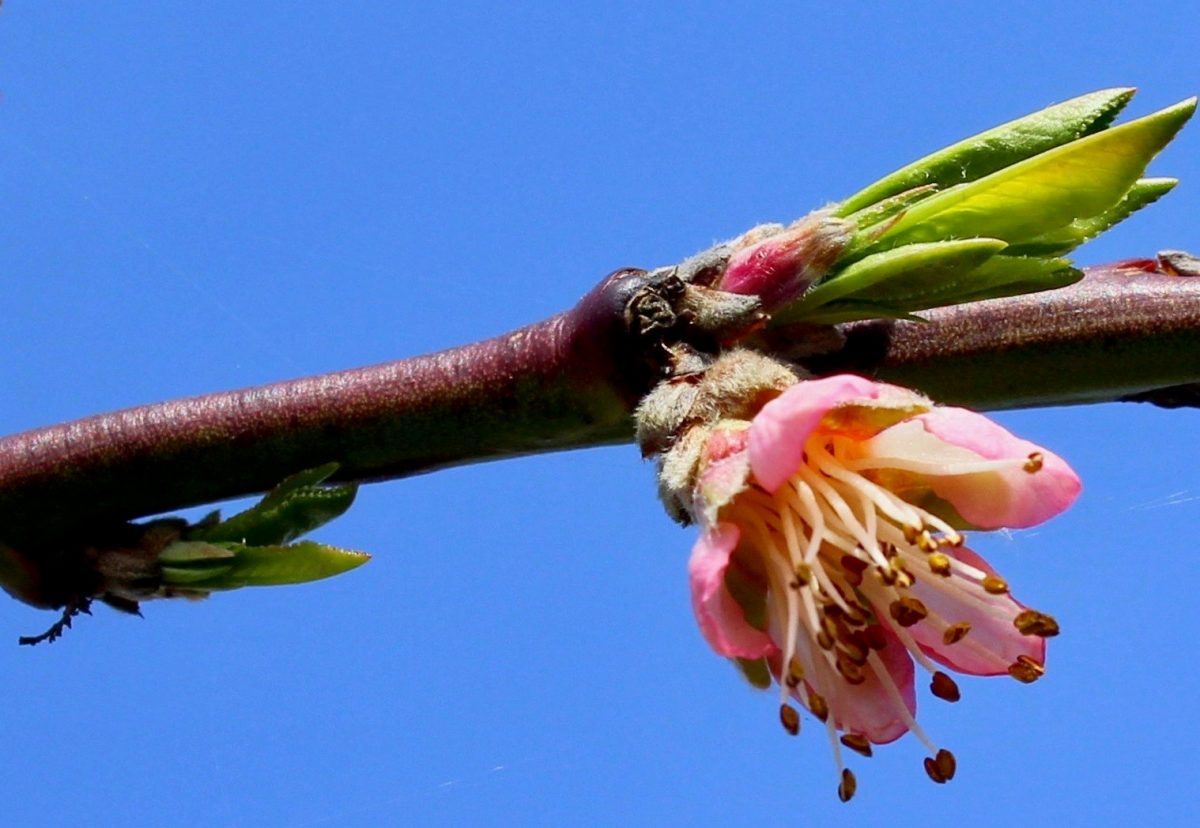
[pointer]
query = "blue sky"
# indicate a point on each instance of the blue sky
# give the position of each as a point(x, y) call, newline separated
point(208, 196)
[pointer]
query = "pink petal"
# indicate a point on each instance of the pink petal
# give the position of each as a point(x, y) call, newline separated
point(868, 708)
point(725, 441)
point(1012, 497)
point(724, 471)
point(781, 428)
point(770, 269)
point(722, 621)
point(720, 483)
point(993, 642)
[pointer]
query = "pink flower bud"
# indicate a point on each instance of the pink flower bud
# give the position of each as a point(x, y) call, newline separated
point(779, 265)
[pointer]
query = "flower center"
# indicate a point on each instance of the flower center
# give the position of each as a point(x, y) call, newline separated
point(850, 569)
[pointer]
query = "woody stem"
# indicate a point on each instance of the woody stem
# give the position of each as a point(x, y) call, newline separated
point(572, 381)
point(1125, 332)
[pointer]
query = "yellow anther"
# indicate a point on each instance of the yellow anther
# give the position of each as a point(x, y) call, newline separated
point(851, 672)
point(935, 773)
point(944, 687)
point(1032, 622)
point(904, 578)
point(830, 628)
point(1034, 463)
point(941, 769)
point(939, 564)
point(946, 763)
point(847, 786)
point(795, 673)
point(789, 718)
point(1026, 670)
point(804, 573)
point(994, 584)
point(818, 706)
point(858, 743)
point(907, 611)
point(955, 632)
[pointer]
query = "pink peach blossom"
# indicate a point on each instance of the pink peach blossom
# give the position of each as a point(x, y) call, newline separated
point(831, 553)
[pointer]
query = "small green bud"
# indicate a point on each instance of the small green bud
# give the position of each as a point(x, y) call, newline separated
point(294, 508)
point(207, 567)
point(254, 547)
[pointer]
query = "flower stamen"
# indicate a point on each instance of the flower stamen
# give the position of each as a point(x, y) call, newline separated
point(941, 768)
point(790, 719)
point(907, 611)
point(1026, 670)
point(847, 786)
point(994, 584)
point(939, 564)
point(944, 687)
point(1032, 622)
point(955, 632)
point(858, 743)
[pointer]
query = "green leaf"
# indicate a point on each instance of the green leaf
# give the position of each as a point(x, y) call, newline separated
point(193, 577)
point(196, 554)
point(999, 276)
point(1016, 275)
point(890, 206)
point(992, 279)
point(232, 566)
point(300, 480)
point(295, 507)
point(1058, 242)
point(900, 274)
point(1082, 179)
point(999, 147)
point(253, 548)
point(190, 563)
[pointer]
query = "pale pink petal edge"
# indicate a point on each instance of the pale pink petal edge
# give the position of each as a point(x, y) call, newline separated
point(1032, 497)
point(722, 621)
point(780, 429)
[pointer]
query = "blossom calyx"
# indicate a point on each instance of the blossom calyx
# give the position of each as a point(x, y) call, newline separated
point(675, 420)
